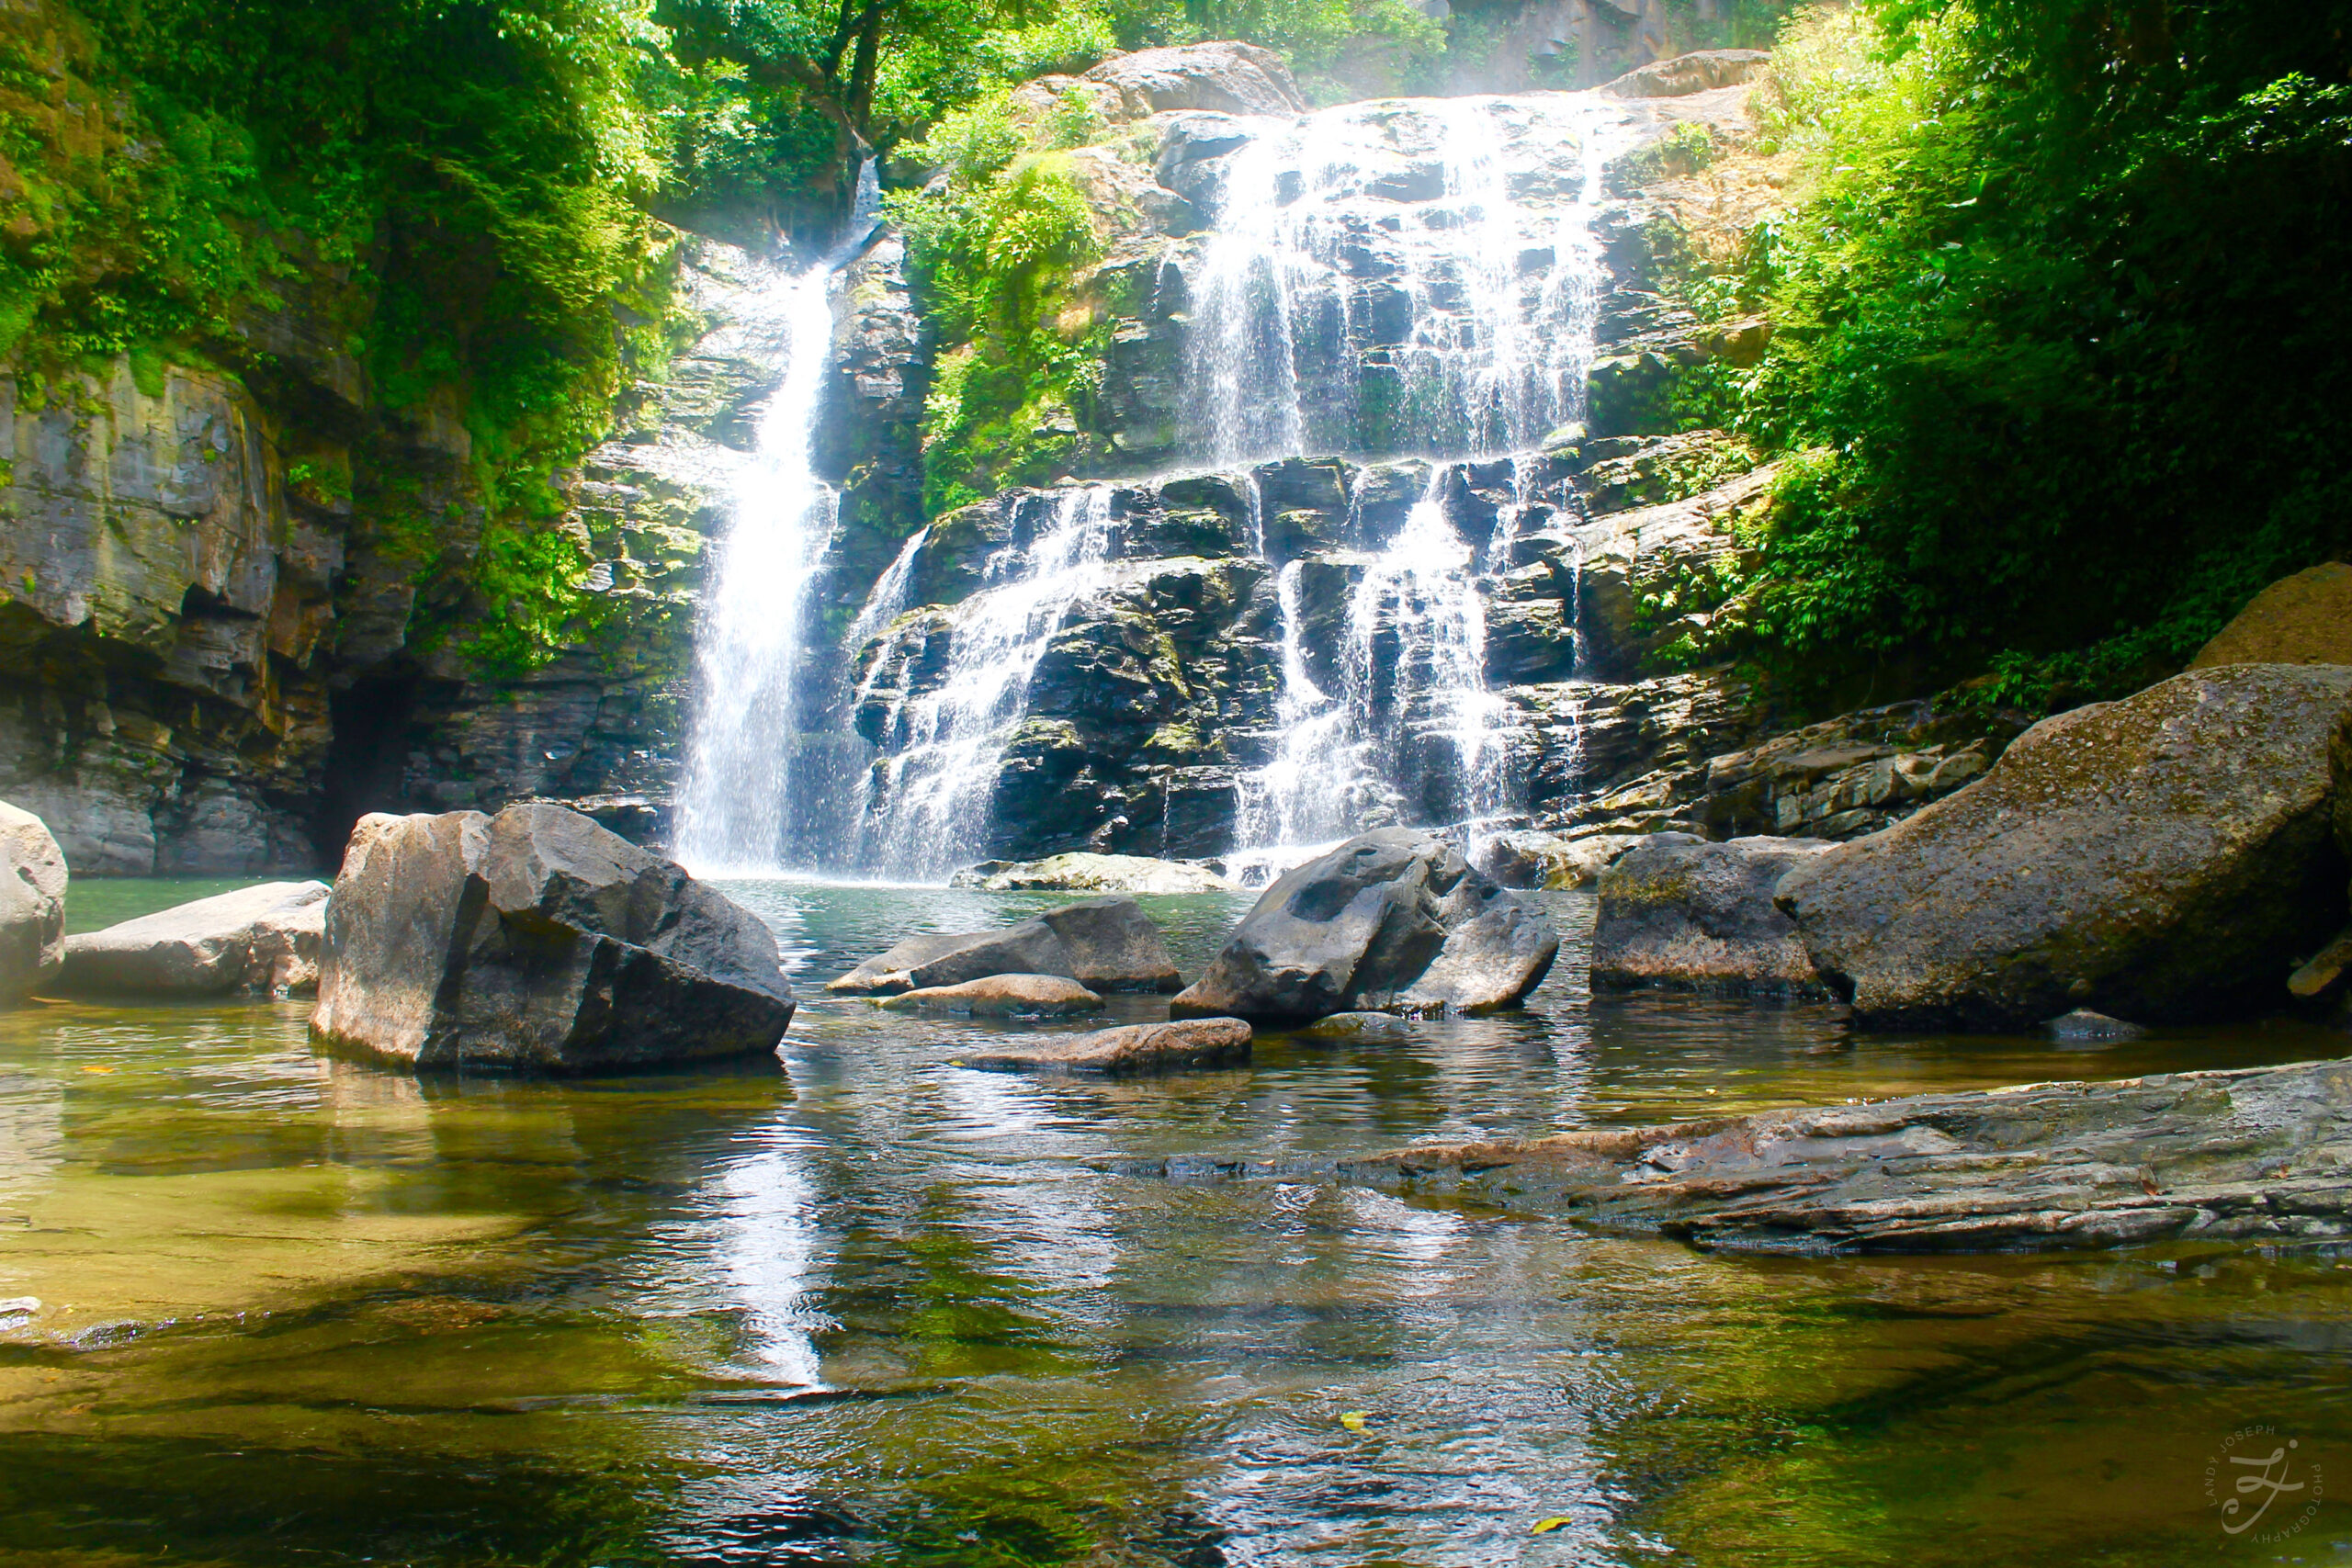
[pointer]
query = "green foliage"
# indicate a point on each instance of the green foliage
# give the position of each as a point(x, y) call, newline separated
point(998, 257)
point(2059, 330)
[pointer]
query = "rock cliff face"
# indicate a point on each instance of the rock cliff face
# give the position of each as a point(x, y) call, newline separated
point(210, 578)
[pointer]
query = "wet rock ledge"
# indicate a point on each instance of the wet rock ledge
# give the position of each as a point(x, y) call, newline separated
point(2258, 1153)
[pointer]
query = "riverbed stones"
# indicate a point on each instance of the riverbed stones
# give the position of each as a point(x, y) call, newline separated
point(32, 904)
point(1102, 943)
point(1001, 996)
point(1184, 1045)
point(261, 941)
point(2302, 619)
point(537, 941)
point(1682, 913)
point(2165, 858)
point(1392, 921)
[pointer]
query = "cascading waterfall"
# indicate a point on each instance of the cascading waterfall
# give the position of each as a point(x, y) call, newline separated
point(1402, 278)
point(1325, 319)
point(928, 808)
point(734, 806)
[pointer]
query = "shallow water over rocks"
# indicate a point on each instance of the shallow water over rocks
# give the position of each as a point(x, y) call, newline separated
point(867, 1306)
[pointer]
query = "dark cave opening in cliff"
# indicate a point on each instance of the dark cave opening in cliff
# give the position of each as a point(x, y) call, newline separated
point(367, 758)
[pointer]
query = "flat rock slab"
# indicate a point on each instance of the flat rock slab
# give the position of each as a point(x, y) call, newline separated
point(2257, 1154)
point(1185, 1045)
point(1104, 944)
point(1001, 996)
point(1093, 874)
point(262, 940)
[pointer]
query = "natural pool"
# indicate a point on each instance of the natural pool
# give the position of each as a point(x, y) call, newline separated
point(867, 1306)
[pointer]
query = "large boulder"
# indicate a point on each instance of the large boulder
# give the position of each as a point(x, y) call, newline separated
point(534, 940)
point(1679, 912)
point(1105, 944)
point(33, 904)
point(1224, 77)
point(1135, 1049)
point(1394, 920)
point(2302, 619)
point(2166, 858)
point(263, 939)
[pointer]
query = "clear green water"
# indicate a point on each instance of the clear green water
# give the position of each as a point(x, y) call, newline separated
point(863, 1306)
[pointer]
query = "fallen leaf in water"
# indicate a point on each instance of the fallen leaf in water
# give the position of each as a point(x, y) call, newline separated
point(1554, 1522)
point(98, 1069)
point(1353, 1420)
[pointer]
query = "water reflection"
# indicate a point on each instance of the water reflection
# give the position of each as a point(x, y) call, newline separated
point(874, 1307)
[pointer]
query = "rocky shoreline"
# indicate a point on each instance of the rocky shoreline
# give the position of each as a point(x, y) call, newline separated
point(2254, 1154)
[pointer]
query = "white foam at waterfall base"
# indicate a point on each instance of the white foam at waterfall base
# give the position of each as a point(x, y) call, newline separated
point(734, 803)
point(928, 808)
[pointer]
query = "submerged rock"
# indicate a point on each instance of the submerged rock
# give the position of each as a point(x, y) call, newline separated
point(2083, 1027)
point(1001, 996)
point(534, 940)
point(1139, 1048)
point(2251, 1154)
point(1393, 920)
point(2165, 858)
point(263, 939)
point(1102, 943)
point(1358, 1026)
point(32, 904)
point(2302, 619)
point(1093, 874)
point(1680, 912)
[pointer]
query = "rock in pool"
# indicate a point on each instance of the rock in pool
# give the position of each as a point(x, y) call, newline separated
point(1357, 1026)
point(1392, 921)
point(534, 940)
point(1000, 996)
point(1093, 874)
point(262, 940)
point(1140, 1048)
point(33, 904)
point(1105, 944)
point(1680, 912)
point(2166, 858)
point(2083, 1027)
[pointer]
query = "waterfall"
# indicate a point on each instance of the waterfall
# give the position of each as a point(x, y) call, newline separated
point(1373, 286)
point(734, 806)
point(928, 810)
